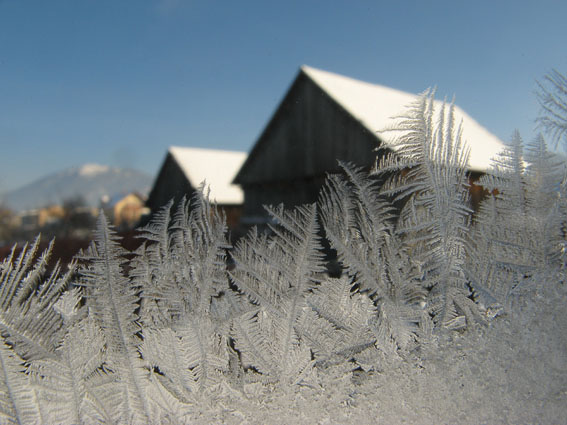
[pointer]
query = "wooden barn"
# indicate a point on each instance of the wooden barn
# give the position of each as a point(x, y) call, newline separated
point(183, 171)
point(323, 118)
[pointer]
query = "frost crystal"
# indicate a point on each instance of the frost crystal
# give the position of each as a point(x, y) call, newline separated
point(439, 315)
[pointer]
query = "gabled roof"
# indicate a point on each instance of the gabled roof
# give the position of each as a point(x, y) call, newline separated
point(375, 106)
point(216, 168)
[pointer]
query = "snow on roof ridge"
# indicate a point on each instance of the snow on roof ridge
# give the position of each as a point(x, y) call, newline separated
point(376, 107)
point(216, 167)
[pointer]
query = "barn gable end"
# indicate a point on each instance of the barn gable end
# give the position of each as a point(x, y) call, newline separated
point(325, 118)
point(185, 169)
point(307, 136)
point(170, 183)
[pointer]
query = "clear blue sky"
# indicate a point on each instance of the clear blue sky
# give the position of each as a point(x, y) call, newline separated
point(118, 81)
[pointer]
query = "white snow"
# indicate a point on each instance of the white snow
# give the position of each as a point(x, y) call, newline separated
point(375, 106)
point(90, 170)
point(217, 168)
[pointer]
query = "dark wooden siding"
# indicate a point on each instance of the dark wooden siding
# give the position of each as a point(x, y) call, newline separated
point(307, 135)
point(170, 183)
point(290, 193)
point(305, 139)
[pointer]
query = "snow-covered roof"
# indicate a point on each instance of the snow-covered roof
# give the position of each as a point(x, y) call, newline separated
point(375, 106)
point(216, 168)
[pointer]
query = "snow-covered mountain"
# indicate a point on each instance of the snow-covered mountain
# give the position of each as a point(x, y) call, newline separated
point(90, 182)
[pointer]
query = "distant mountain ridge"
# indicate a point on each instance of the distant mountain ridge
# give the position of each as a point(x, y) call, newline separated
point(91, 182)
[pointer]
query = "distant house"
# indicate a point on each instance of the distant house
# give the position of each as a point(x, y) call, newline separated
point(185, 169)
point(66, 221)
point(38, 218)
point(325, 117)
point(125, 210)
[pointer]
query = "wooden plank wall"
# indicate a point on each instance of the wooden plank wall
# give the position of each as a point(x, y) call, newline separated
point(303, 142)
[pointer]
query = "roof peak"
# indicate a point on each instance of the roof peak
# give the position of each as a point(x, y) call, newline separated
point(375, 106)
point(214, 167)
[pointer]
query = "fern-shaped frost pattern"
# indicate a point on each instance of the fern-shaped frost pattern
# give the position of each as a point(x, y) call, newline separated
point(277, 272)
point(112, 301)
point(427, 171)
